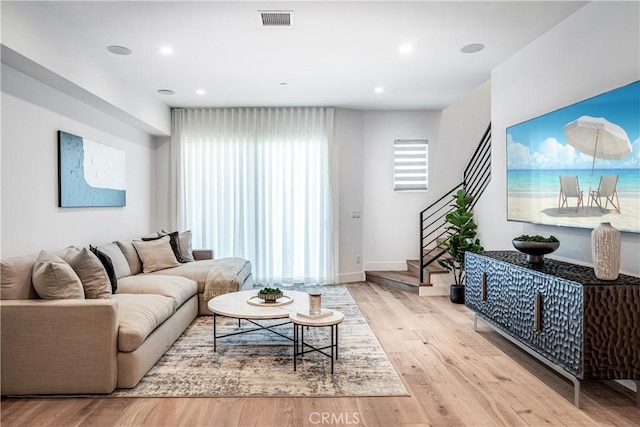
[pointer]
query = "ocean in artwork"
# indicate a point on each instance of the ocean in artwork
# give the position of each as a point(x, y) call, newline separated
point(546, 182)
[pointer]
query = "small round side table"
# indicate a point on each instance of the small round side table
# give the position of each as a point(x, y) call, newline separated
point(299, 322)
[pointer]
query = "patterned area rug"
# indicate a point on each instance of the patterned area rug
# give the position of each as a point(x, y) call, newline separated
point(261, 363)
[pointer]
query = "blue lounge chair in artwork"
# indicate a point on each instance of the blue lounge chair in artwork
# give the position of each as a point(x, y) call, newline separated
point(569, 187)
point(606, 193)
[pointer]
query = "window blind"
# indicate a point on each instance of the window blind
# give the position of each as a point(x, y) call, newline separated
point(410, 170)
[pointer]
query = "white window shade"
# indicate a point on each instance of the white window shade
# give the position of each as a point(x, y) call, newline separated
point(410, 170)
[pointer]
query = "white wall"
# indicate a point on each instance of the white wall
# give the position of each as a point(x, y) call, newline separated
point(594, 50)
point(390, 219)
point(348, 137)
point(462, 125)
point(32, 113)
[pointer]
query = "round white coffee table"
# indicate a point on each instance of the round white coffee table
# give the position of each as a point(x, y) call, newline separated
point(236, 305)
point(299, 322)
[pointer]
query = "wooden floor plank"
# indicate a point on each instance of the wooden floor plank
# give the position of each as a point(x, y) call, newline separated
point(455, 376)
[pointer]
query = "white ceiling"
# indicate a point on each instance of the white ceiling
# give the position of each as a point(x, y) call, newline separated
point(335, 53)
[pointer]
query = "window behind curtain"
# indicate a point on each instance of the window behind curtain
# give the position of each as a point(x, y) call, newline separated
point(410, 170)
point(255, 184)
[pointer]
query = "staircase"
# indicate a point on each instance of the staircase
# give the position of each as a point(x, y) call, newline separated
point(421, 275)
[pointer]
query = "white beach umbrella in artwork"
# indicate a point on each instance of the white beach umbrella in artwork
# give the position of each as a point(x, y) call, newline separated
point(599, 138)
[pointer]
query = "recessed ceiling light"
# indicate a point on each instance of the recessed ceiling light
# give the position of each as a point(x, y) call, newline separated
point(200, 92)
point(165, 92)
point(472, 48)
point(379, 89)
point(405, 49)
point(119, 50)
point(166, 50)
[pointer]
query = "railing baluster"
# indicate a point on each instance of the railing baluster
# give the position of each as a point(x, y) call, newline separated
point(476, 177)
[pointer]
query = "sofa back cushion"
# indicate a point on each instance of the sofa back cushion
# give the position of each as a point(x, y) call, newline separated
point(15, 277)
point(53, 278)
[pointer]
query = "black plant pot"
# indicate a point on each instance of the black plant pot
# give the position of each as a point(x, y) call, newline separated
point(456, 293)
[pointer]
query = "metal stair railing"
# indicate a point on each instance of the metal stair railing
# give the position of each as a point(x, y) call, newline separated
point(475, 178)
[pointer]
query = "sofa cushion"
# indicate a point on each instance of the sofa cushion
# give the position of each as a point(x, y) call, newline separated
point(108, 266)
point(120, 263)
point(130, 253)
point(139, 315)
point(53, 278)
point(15, 277)
point(156, 254)
point(204, 271)
point(91, 272)
point(180, 289)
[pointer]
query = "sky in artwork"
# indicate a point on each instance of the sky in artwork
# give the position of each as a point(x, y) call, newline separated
point(540, 143)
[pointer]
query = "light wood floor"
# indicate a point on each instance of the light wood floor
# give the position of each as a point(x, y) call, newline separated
point(455, 376)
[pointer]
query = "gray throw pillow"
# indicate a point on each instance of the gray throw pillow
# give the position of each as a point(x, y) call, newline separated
point(53, 278)
point(120, 263)
point(130, 253)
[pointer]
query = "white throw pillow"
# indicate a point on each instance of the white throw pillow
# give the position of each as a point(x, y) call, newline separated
point(53, 278)
point(156, 254)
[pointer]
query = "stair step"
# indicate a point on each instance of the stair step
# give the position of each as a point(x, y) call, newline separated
point(413, 266)
point(402, 280)
point(406, 282)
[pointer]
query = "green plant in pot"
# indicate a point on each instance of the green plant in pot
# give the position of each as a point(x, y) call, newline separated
point(462, 232)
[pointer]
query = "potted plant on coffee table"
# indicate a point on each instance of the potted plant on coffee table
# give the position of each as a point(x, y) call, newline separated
point(462, 232)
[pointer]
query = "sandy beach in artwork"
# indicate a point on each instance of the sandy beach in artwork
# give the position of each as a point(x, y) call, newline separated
point(544, 210)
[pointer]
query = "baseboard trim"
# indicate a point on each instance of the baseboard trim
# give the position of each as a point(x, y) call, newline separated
point(357, 276)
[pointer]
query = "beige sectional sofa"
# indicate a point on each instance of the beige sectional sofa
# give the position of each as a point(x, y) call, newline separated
point(84, 345)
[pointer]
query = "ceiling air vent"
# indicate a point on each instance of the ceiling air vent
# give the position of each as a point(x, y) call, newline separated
point(276, 18)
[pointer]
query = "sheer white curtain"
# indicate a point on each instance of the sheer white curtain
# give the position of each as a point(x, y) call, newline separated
point(255, 183)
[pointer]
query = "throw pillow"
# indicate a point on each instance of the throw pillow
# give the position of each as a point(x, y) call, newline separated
point(186, 250)
point(156, 254)
point(173, 240)
point(120, 263)
point(53, 278)
point(131, 255)
point(108, 266)
point(91, 272)
point(185, 245)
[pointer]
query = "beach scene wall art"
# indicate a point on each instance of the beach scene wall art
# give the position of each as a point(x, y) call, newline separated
point(580, 165)
point(91, 174)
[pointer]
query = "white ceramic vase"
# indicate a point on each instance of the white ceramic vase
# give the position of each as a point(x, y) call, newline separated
point(605, 251)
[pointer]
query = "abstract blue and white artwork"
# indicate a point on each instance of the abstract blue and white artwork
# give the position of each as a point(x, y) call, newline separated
point(91, 174)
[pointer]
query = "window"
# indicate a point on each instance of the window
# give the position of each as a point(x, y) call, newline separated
point(256, 184)
point(410, 170)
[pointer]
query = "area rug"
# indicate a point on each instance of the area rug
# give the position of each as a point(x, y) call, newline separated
point(261, 363)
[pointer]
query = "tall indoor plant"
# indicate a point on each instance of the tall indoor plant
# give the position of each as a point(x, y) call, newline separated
point(462, 232)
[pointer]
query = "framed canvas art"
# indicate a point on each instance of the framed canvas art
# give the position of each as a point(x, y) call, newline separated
point(580, 165)
point(90, 174)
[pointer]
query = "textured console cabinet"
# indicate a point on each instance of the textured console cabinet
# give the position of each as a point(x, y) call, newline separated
point(583, 327)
